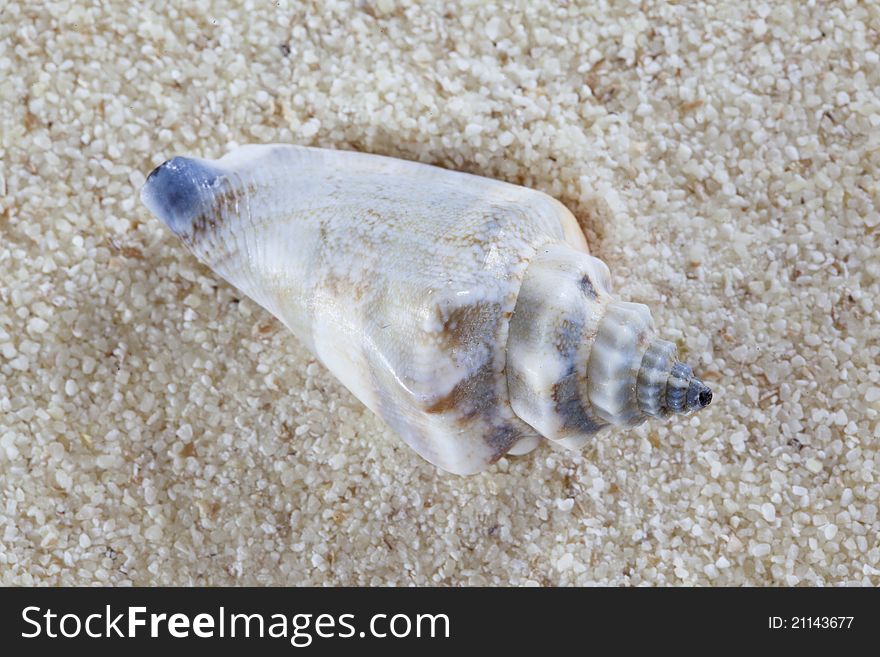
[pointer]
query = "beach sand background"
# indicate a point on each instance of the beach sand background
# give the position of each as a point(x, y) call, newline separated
point(157, 428)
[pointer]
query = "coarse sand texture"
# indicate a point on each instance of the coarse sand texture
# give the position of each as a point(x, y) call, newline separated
point(156, 427)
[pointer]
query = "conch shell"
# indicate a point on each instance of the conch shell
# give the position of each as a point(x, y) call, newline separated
point(464, 311)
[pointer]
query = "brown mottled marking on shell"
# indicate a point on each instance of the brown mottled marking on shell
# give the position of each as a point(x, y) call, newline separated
point(223, 204)
point(203, 225)
point(463, 326)
point(586, 286)
point(471, 396)
point(566, 392)
point(343, 285)
point(568, 335)
point(501, 439)
point(570, 406)
point(475, 396)
point(465, 329)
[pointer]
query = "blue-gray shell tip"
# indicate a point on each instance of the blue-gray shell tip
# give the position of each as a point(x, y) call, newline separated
point(178, 190)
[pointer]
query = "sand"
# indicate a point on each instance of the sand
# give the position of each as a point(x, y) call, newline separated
point(157, 428)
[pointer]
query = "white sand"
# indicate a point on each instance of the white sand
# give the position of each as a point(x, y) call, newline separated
point(156, 429)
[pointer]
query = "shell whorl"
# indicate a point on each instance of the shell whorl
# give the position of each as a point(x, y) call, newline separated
point(580, 360)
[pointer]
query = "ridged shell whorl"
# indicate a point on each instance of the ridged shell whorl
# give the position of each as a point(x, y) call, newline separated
point(580, 360)
point(466, 312)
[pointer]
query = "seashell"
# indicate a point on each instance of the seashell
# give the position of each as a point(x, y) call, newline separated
point(464, 311)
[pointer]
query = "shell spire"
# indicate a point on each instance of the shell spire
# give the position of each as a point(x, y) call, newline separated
point(580, 360)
